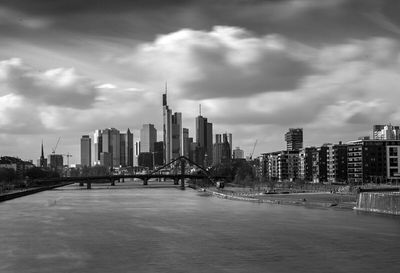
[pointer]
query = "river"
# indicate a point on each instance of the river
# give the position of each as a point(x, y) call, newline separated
point(136, 229)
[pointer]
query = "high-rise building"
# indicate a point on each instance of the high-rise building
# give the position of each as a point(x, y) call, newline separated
point(186, 142)
point(136, 154)
point(238, 153)
point(148, 135)
point(158, 153)
point(146, 160)
point(167, 128)
point(221, 150)
point(86, 151)
point(176, 135)
point(229, 139)
point(98, 146)
point(126, 146)
point(386, 132)
point(106, 160)
point(111, 143)
point(294, 139)
point(204, 141)
point(56, 162)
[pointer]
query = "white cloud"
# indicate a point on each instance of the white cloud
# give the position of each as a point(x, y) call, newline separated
point(223, 62)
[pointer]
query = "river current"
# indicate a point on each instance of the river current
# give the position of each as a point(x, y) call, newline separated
point(136, 229)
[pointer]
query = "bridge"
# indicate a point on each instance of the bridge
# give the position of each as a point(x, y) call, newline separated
point(155, 174)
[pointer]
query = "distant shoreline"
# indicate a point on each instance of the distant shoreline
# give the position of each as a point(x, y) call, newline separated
point(16, 194)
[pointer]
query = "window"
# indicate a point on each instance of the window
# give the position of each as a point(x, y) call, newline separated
point(393, 151)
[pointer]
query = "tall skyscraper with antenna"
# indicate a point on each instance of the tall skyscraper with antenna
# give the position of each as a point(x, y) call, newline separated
point(167, 127)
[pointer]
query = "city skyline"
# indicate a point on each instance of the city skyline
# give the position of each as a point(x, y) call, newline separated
point(65, 73)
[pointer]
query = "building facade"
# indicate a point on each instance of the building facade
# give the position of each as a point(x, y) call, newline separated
point(86, 151)
point(177, 144)
point(204, 151)
point(167, 129)
point(373, 161)
point(148, 136)
point(306, 163)
point(238, 153)
point(294, 139)
point(337, 163)
point(386, 132)
point(221, 150)
point(98, 146)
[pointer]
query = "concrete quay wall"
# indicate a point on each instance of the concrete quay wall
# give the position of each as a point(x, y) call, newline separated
point(388, 202)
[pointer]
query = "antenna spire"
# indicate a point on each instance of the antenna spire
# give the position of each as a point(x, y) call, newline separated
point(200, 109)
point(166, 87)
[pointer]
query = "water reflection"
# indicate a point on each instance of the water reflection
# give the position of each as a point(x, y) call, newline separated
point(169, 230)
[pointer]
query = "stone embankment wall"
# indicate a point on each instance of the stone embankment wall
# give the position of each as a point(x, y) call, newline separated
point(388, 202)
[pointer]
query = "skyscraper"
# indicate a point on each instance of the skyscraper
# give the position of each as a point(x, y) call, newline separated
point(294, 139)
point(98, 146)
point(126, 149)
point(167, 129)
point(204, 141)
point(158, 153)
point(86, 151)
point(148, 135)
point(111, 142)
point(186, 142)
point(221, 150)
point(176, 135)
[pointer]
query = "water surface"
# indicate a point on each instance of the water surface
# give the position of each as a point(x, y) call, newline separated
point(168, 230)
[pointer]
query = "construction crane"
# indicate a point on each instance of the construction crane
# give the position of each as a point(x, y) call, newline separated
point(254, 147)
point(55, 147)
point(68, 155)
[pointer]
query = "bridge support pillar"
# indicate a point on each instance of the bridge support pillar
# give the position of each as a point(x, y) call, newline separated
point(81, 184)
point(145, 181)
point(112, 182)
point(123, 179)
point(88, 185)
point(176, 181)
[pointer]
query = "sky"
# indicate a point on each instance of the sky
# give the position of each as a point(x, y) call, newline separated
point(68, 67)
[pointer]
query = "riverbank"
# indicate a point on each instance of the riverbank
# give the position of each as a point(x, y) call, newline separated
point(311, 199)
point(16, 194)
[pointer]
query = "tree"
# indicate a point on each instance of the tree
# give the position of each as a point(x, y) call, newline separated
point(39, 173)
point(7, 175)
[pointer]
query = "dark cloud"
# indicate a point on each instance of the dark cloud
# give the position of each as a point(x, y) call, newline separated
point(59, 87)
point(64, 7)
point(273, 71)
point(309, 21)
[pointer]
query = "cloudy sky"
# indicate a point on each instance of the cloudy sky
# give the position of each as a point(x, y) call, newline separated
point(68, 67)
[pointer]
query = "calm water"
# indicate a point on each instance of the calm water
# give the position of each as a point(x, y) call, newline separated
point(168, 230)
